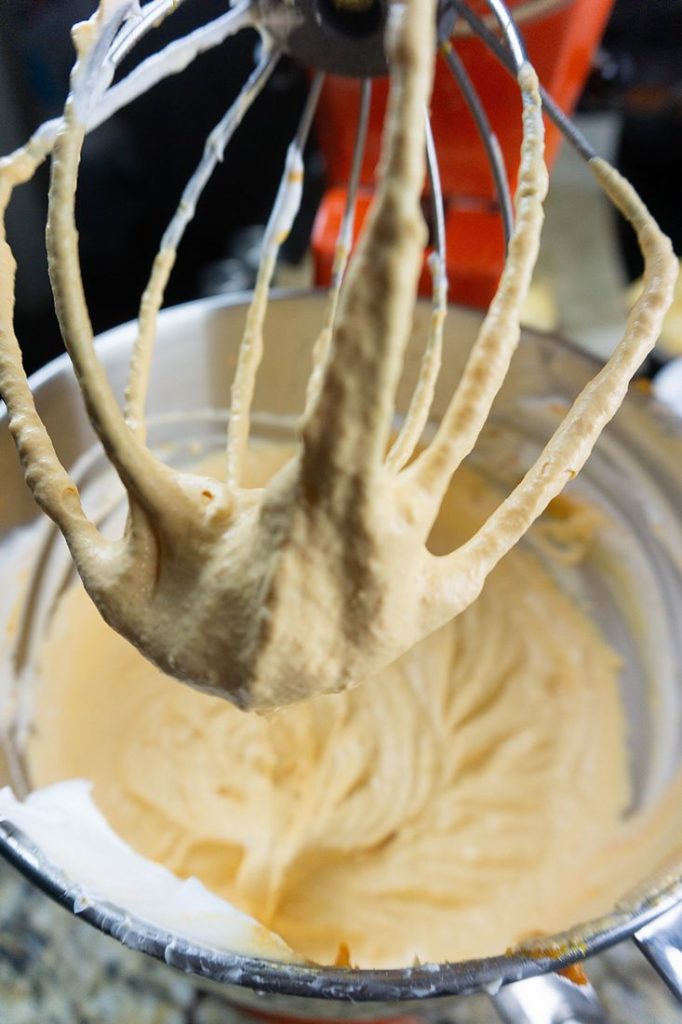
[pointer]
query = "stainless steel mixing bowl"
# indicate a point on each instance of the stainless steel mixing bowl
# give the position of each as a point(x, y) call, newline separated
point(635, 475)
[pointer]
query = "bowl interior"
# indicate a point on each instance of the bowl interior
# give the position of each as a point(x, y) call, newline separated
point(632, 586)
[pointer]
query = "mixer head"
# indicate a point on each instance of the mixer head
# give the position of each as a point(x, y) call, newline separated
point(346, 37)
point(342, 37)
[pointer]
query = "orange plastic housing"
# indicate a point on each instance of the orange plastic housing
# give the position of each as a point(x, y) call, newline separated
point(560, 40)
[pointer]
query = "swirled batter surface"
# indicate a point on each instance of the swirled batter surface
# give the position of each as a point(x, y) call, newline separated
point(437, 811)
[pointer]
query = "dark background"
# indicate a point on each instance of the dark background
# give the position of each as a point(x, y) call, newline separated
point(135, 166)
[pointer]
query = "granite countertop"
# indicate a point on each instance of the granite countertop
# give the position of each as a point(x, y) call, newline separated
point(55, 969)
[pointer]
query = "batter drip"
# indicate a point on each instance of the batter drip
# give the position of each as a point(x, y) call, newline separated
point(211, 580)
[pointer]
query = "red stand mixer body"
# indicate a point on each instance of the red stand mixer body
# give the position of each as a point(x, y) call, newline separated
point(561, 38)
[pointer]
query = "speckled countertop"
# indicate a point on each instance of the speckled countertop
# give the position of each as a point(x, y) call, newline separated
point(56, 969)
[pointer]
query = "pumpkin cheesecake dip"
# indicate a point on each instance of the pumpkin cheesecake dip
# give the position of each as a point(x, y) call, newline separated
point(441, 740)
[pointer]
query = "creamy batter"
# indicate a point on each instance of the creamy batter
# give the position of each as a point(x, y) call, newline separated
point(437, 811)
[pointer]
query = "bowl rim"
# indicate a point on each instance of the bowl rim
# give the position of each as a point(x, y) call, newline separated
point(342, 984)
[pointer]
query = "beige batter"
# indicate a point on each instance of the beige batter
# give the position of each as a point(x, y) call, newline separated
point(467, 797)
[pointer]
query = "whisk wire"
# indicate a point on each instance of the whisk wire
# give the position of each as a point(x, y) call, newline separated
point(510, 32)
point(436, 189)
point(567, 127)
point(342, 249)
point(93, 71)
point(422, 395)
point(140, 363)
point(282, 216)
point(498, 336)
point(487, 135)
point(150, 16)
point(345, 236)
point(171, 60)
point(214, 149)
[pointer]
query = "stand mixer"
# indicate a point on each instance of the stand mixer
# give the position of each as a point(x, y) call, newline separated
point(306, 33)
point(476, 129)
